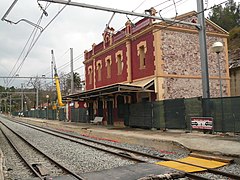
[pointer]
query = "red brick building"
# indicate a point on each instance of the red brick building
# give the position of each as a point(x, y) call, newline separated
point(149, 61)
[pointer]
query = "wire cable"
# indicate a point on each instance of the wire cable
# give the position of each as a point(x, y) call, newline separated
point(33, 44)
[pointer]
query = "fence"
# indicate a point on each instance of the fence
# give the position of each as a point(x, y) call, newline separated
point(176, 113)
point(166, 114)
point(79, 115)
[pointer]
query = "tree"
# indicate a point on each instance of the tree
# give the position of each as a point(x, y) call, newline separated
point(65, 82)
point(227, 16)
point(76, 80)
point(234, 38)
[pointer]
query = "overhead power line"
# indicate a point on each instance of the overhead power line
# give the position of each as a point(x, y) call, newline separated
point(118, 11)
point(34, 41)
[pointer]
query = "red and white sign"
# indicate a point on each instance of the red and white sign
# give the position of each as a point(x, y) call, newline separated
point(202, 123)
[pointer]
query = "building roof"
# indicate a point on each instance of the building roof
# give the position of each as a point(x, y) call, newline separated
point(234, 64)
point(138, 86)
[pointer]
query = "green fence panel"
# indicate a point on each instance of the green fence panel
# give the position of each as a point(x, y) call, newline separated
point(174, 113)
point(79, 115)
point(158, 115)
point(225, 113)
point(62, 114)
point(193, 108)
point(141, 115)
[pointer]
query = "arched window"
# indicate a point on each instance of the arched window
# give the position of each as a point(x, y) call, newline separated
point(108, 63)
point(108, 69)
point(119, 61)
point(99, 70)
point(142, 50)
point(90, 74)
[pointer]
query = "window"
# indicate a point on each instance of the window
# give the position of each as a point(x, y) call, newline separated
point(108, 63)
point(142, 57)
point(99, 70)
point(119, 64)
point(142, 49)
point(119, 61)
point(90, 74)
point(108, 69)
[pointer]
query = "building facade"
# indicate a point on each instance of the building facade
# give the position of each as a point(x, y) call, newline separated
point(150, 61)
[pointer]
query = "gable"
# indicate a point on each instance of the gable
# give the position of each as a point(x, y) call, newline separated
point(192, 17)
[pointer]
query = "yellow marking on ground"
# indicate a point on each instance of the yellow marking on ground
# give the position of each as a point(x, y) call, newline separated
point(203, 162)
point(180, 166)
point(192, 160)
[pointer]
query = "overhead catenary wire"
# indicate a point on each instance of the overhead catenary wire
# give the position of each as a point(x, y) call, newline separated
point(174, 22)
point(40, 34)
point(35, 41)
point(172, 4)
point(60, 58)
point(25, 46)
point(171, 24)
point(67, 63)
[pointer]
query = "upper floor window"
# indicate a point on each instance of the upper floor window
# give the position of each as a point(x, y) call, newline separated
point(142, 49)
point(108, 63)
point(99, 70)
point(90, 74)
point(119, 61)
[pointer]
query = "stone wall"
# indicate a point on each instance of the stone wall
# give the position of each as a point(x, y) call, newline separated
point(182, 65)
point(187, 88)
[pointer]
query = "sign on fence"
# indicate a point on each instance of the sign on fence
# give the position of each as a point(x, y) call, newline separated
point(202, 123)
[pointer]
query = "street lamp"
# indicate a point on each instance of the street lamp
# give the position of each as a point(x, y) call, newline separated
point(217, 47)
point(25, 105)
point(47, 96)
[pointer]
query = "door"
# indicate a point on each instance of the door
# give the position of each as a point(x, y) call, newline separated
point(110, 112)
point(90, 111)
point(100, 108)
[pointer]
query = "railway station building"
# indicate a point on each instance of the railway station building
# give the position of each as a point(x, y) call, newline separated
point(150, 61)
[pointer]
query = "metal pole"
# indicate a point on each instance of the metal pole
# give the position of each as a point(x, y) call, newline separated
point(52, 74)
point(203, 49)
point(83, 5)
point(5, 105)
point(9, 9)
point(221, 93)
point(10, 108)
point(219, 74)
point(37, 97)
point(22, 98)
point(72, 73)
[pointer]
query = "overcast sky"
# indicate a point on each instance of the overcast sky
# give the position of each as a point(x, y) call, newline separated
point(75, 27)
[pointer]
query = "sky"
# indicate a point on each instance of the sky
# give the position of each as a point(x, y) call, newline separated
point(74, 27)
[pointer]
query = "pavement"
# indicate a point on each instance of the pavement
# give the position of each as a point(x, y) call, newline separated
point(170, 140)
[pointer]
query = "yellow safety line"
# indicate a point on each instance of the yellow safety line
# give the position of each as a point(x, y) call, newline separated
point(192, 160)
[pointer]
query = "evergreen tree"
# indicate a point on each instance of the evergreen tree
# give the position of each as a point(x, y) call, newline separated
point(227, 16)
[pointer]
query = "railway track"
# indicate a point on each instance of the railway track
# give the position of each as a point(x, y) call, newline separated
point(126, 153)
point(41, 165)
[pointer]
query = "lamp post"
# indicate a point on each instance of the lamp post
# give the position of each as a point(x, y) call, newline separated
point(47, 96)
point(25, 106)
point(217, 47)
